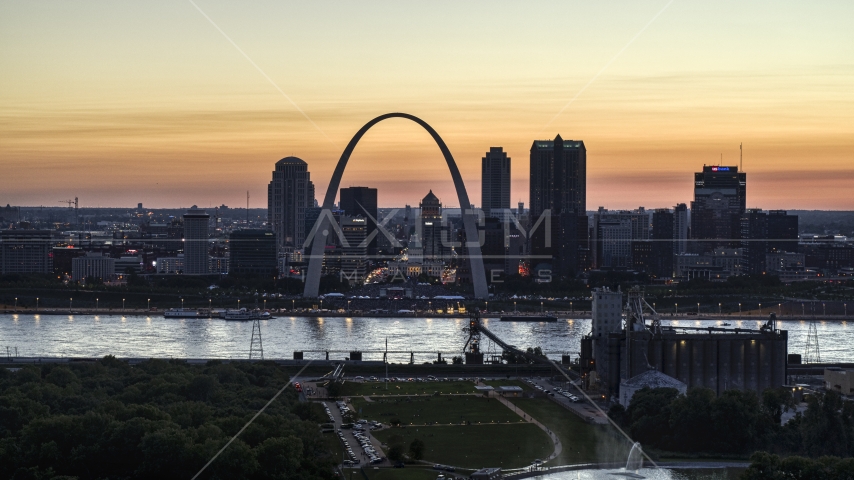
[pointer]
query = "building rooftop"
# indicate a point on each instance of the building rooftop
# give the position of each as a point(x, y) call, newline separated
point(291, 161)
point(653, 379)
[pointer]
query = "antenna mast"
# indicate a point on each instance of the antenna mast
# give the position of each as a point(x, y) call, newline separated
point(740, 157)
point(247, 208)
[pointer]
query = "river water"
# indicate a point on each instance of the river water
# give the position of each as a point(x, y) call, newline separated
point(155, 336)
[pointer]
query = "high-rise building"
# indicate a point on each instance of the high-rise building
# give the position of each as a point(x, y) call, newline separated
point(782, 232)
point(680, 229)
point(434, 234)
point(613, 234)
point(559, 184)
point(720, 198)
point(252, 252)
point(663, 243)
point(196, 223)
point(766, 233)
point(754, 240)
point(558, 177)
point(362, 202)
point(289, 194)
point(495, 182)
point(25, 251)
point(354, 253)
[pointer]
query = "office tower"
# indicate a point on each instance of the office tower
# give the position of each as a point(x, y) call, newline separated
point(289, 194)
point(558, 177)
point(559, 184)
point(754, 240)
point(782, 232)
point(25, 251)
point(663, 243)
point(613, 234)
point(354, 251)
point(362, 202)
point(495, 182)
point(252, 252)
point(719, 201)
point(196, 222)
point(434, 235)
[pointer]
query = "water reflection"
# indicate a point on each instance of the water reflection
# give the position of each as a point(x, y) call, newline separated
point(130, 336)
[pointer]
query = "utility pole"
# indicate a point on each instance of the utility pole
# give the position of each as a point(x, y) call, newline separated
point(247, 208)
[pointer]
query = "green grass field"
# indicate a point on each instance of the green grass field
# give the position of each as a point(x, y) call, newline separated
point(421, 410)
point(476, 446)
point(406, 388)
point(581, 441)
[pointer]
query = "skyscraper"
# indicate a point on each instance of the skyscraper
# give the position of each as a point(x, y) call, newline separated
point(559, 184)
point(495, 182)
point(362, 202)
point(558, 177)
point(433, 232)
point(288, 195)
point(196, 242)
point(720, 198)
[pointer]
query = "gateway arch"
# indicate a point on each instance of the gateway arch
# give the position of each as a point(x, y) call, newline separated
point(322, 228)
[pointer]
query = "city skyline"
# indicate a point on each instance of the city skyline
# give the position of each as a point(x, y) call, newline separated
point(655, 91)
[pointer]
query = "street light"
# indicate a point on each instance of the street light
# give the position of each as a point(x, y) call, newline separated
point(149, 305)
point(348, 307)
point(265, 304)
point(70, 300)
point(739, 308)
point(541, 307)
point(238, 303)
point(823, 309)
point(487, 305)
point(803, 310)
point(182, 303)
point(572, 310)
point(123, 305)
point(37, 304)
point(16, 304)
point(760, 309)
point(698, 309)
point(719, 308)
point(677, 309)
point(293, 304)
point(780, 310)
point(514, 307)
point(96, 304)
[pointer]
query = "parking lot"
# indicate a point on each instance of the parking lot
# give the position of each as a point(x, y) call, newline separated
point(360, 446)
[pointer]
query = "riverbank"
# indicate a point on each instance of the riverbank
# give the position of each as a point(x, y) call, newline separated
point(576, 314)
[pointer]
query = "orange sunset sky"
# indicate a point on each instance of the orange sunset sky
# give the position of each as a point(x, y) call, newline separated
point(125, 102)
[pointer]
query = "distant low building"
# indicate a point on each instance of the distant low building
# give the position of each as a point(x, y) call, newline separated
point(170, 265)
point(94, 265)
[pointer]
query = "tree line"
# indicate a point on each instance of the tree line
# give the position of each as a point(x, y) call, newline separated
point(157, 419)
point(739, 423)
